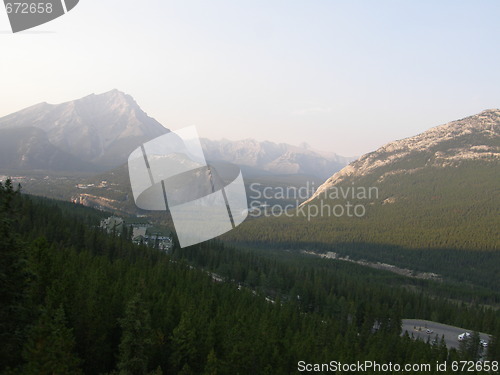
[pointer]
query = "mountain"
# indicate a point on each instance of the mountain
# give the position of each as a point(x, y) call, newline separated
point(474, 138)
point(427, 204)
point(276, 158)
point(438, 189)
point(28, 148)
point(99, 129)
point(102, 130)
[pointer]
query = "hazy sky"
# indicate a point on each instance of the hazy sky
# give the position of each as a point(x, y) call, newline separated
point(343, 76)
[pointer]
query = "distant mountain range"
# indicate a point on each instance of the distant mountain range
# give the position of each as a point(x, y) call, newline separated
point(277, 158)
point(98, 132)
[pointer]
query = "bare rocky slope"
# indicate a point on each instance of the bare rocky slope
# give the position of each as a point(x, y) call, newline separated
point(475, 137)
point(99, 129)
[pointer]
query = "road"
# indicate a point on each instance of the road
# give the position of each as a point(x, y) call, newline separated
point(450, 332)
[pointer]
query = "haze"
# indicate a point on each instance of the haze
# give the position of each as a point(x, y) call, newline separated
point(344, 77)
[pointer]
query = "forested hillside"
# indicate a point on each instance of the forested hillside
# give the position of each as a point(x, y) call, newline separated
point(76, 300)
point(427, 203)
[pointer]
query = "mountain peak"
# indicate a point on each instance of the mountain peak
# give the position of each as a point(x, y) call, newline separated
point(116, 95)
point(492, 111)
point(98, 128)
point(113, 100)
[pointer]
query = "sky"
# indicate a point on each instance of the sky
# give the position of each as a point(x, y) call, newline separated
point(342, 76)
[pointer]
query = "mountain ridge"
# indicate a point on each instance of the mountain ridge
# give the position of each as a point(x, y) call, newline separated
point(482, 126)
point(280, 158)
point(101, 129)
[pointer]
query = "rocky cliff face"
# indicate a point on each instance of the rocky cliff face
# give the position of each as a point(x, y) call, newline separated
point(100, 129)
point(472, 138)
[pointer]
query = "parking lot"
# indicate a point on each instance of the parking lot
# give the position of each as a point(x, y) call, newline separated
point(419, 329)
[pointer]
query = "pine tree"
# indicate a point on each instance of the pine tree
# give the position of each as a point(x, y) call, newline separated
point(212, 365)
point(184, 343)
point(186, 370)
point(443, 350)
point(136, 338)
point(470, 347)
point(493, 351)
point(13, 281)
point(49, 349)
